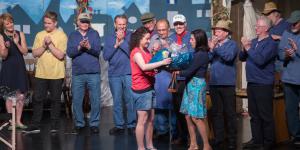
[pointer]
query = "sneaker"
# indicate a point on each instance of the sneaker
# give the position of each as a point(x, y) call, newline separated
point(32, 129)
point(116, 131)
point(94, 130)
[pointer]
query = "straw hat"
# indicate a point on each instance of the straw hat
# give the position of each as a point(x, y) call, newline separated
point(223, 24)
point(269, 7)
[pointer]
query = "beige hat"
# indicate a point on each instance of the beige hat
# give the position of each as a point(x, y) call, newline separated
point(269, 7)
point(84, 17)
point(223, 24)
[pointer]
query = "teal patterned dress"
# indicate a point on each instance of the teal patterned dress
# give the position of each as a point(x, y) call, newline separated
point(194, 98)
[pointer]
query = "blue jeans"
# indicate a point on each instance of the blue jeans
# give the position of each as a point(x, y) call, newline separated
point(292, 99)
point(120, 88)
point(161, 122)
point(92, 82)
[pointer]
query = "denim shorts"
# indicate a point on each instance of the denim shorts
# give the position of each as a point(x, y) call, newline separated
point(144, 101)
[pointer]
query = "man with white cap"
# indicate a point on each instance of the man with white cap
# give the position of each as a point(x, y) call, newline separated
point(289, 52)
point(180, 37)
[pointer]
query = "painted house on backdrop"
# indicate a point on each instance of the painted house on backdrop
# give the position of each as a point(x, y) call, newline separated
point(133, 14)
point(197, 14)
point(24, 23)
point(103, 23)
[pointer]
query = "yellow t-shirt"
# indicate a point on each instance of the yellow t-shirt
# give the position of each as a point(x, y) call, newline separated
point(48, 66)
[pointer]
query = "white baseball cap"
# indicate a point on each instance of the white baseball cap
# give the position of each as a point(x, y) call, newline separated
point(179, 18)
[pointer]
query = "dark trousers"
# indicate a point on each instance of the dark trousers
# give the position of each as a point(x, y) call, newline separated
point(181, 122)
point(260, 104)
point(292, 99)
point(223, 103)
point(41, 88)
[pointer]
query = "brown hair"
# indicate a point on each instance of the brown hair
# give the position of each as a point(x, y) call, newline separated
point(5, 16)
point(137, 36)
point(164, 21)
point(51, 15)
point(122, 16)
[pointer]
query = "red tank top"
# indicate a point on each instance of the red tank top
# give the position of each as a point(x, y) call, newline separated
point(141, 80)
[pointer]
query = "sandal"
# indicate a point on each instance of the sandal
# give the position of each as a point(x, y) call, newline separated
point(151, 148)
point(193, 148)
point(21, 127)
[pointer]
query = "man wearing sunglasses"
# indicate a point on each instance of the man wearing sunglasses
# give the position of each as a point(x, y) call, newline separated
point(182, 38)
point(84, 49)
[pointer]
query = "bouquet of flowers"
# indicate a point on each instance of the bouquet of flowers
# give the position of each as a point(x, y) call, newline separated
point(180, 54)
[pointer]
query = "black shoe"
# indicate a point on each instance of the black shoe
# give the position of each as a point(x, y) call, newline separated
point(164, 136)
point(53, 130)
point(296, 142)
point(231, 145)
point(131, 131)
point(252, 145)
point(32, 129)
point(94, 130)
point(217, 145)
point(77, 130)
point(116, 131)
point(268, 147)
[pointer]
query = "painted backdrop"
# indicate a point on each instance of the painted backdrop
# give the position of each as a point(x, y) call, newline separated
point(28, 13)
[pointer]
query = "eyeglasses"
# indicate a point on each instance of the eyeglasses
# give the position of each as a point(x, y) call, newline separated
point(178, 23)
point(257, 26)
point(161, 30)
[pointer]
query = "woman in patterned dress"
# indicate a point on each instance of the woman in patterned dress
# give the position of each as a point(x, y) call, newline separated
point(193, 103)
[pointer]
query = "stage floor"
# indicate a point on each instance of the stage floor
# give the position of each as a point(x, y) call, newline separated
point(66, 140)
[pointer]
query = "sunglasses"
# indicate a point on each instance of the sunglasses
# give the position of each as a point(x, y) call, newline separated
point(178, 23)
point(85, 21)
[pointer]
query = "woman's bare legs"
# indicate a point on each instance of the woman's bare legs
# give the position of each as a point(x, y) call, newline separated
point(200, 123)
point(192, 133)
point(140, 128)
point(19, 108)
point(149, 129)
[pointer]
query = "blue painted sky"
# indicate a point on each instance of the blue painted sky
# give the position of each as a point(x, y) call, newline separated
point(111, 7)
point(32, 7)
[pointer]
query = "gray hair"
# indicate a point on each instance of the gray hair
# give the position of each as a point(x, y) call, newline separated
point(266, 20)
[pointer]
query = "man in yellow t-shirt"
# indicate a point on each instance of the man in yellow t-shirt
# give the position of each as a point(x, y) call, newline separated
point(49, 48)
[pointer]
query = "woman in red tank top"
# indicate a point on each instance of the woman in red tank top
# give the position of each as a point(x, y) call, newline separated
point(142, 85)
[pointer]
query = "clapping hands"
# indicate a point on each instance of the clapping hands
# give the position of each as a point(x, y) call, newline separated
point(289, 52)
point(246, 43)
point(84, 43)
